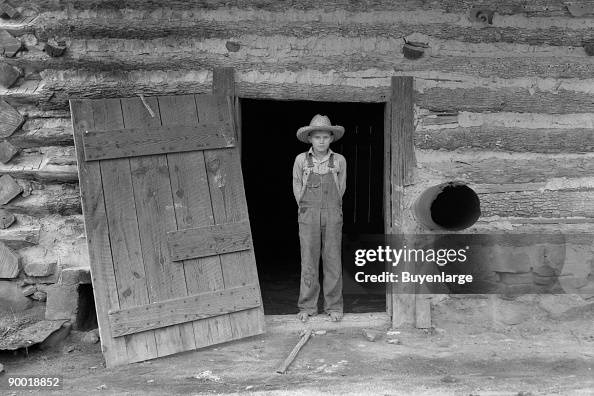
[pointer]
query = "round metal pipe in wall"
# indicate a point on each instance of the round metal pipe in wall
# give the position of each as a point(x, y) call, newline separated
point(451, 206)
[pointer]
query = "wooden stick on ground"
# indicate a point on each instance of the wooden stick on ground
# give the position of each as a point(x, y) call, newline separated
point(304, 338)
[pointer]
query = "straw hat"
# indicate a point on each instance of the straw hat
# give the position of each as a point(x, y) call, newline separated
point(319, 123)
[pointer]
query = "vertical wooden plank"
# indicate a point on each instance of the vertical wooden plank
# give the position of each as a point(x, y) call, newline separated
point(192, 205)
point(156, 216)
point(223, 81)
point(96, 228)
point(123, 230)
point(387, 192)
point(229, 204)
point(423, 311)
point(223, 84)
point(403, 163)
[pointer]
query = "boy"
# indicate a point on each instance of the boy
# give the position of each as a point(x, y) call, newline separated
point(319, 182)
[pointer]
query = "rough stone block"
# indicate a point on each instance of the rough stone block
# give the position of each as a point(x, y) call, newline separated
point(8, 75)
point(9, 44)
point(6, 219)
point(56, 337)
point(11, 298)
point(8, 10)
point(9, 262)
point(9, 189)
point(10, 118)
point(40, 269)
point(28, 290)
point(62, 302)
point(7, 151)
point(39, 295)
point(75, 276)
point(36, 280)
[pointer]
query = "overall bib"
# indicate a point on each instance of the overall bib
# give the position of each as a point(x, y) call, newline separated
point(320, 231)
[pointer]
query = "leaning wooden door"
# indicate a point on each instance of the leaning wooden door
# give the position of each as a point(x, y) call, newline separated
point(167, 225)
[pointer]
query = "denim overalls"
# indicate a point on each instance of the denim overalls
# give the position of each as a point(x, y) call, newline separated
point(320, 230)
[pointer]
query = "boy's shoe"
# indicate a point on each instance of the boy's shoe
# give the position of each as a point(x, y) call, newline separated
point(335, 316)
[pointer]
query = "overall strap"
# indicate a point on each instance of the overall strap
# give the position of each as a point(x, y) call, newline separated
point(331, 161)
point(310, 163)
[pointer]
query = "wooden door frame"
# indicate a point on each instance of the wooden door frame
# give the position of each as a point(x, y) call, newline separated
point(399, 162)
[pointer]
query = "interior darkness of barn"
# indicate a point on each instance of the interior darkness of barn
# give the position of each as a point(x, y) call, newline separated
point(269, 148)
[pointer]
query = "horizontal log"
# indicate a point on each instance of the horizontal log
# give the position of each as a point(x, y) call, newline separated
point(113, 26)
point(44, 200)
point(209, 241)
point(503, 7)
point(305, 84)
point(537, 225)
point(48, 164)
point(39, 132)
point(324, 53)
point(491, 168)
point(536, 203)
point(182, 310)
point(505, 100)
point(26, 93)
point(489, 137)
point(123, 143)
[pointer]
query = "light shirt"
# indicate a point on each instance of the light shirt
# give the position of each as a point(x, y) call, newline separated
point(320, 166)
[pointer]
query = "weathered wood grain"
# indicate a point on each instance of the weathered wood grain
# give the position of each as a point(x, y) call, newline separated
point(96, 228)
point(505, 100)
point(504, 7)
point(538, 204)
point(9, 189)
point(229, 205)
point(402, 166)
point(10, 119)
point(50, 199)
point(9, 262)
point(513, 168)
point(184, 309)
point(209, 240)
point(156, 216)
point(539, 140)
point(47, 131)
point(148, 141)
point(123, 231)
point(192, 207)
point(115, 27)
point(48, 164)
point(7, 151)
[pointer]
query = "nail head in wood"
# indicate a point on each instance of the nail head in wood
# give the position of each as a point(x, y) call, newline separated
point(7, 151)
point(481, 15)
point(8, 75)
point(9, 189)
point(6, 219)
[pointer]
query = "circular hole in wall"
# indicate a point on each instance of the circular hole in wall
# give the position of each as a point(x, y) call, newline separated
point(451, 206)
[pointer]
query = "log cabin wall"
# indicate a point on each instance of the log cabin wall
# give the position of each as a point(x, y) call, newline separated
point(504, 101)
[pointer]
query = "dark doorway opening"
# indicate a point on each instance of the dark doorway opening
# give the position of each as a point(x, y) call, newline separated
point(269, 148)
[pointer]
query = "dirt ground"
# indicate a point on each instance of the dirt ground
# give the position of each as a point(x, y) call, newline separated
point(473, 350)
